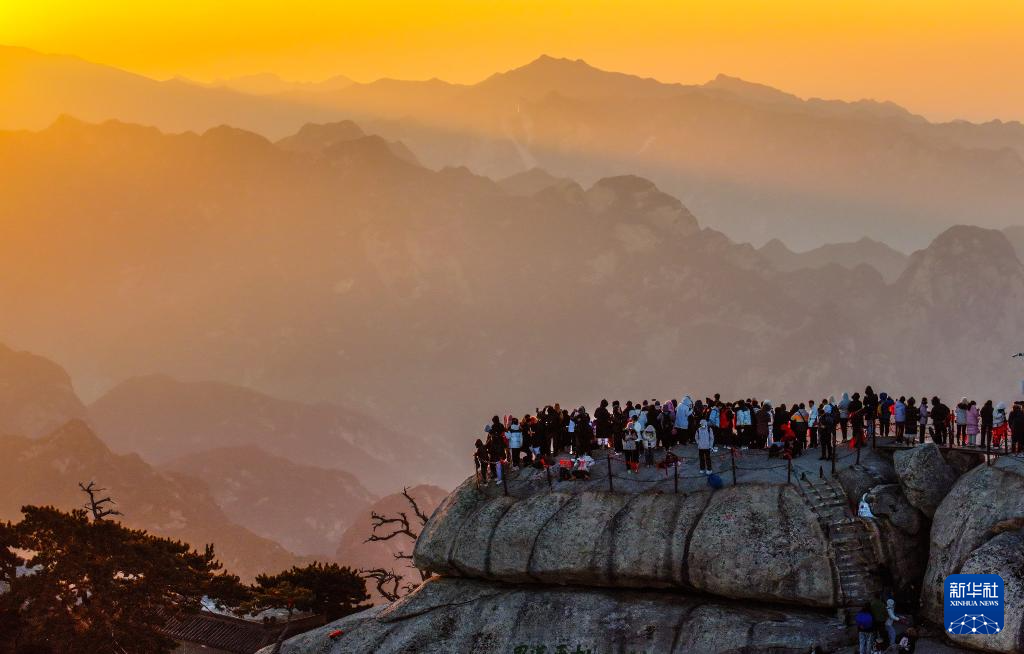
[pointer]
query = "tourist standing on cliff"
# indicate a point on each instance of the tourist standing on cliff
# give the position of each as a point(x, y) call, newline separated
point(630, 447)
point(856, 411)
point(922, 418)
point(744, 424)
point(899, 418)
point(910, 422)
point(515, 442)
point(798, 423)
point(764, 419)
point(999, 427)
point(480, 459)
point(603, 422)
point(844, 415)
point(705, 441)
point(812, 424)
point(870, 406)
point(582, 435)
point(650, 441)
point(669, 436)
point(1016, 421)
point(682, 424)
point(885, 405)
point(619, 421)
point(986, 423)
point(961, 421)
point(940, 418)
point(827, 430)
point(973, 416)
point(495, 453)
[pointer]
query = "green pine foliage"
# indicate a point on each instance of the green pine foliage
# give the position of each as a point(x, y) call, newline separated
point(96, 586)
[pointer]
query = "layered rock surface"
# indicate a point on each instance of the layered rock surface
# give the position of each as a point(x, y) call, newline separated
point(925, 477)
point(463, 615)
point(979, 528)
point(756, 567)
point(753, 541)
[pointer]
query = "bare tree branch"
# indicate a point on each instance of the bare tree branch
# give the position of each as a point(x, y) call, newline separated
point(388, 582)
point(98, 507)
point(380, 521)
point(415, 507)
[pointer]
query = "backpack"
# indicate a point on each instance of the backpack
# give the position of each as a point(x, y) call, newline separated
point(864, 621)
point(715, 481)
point(827, 420)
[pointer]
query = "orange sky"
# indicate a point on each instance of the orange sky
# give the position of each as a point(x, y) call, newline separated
point(941, 58)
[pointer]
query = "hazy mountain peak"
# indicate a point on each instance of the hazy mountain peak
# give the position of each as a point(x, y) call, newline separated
point(372, 149)
point(977, 243)
point(234, 137)
point(775, 248)
point(75, 436)
point(573, 78)
point(532, 181)
point(36, 394)
point(967, 268)
point(66, 125)
point(750, 90)
point(630, 197)
point(317, 137)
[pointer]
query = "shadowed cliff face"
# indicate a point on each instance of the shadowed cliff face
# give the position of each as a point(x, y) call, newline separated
point(778, 550)
point(979, 529)
point(746, 563)
point(448, 615)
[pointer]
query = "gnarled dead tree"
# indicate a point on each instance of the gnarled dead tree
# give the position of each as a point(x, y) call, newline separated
point(389, 583)
point(99, 507)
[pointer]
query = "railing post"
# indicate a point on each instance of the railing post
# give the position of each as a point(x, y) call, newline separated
point(988, 449)
point(789, 470)
point(504, 477)
point(675, 470)
point(547, 472)
point(859, 440)
point(734, 467)
point(611, 489)
point(833, 439)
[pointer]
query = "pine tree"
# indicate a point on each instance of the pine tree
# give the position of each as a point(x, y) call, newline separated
point(97, 586)
point(333, 591)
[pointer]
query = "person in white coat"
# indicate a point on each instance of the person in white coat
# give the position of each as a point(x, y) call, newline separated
point(890, 620)
point(705, 441)
point(682, 423)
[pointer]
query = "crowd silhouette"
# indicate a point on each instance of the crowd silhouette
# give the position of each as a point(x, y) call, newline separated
point(636, 430)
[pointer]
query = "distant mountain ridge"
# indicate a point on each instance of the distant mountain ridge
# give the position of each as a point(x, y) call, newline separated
point(754, 162)
point(177, 423)
point(432, 300)
point(46, 471)
point(886, 260)
point(304, 508)
point(36, 395)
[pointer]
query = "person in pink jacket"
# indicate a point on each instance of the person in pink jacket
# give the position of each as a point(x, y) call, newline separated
point(973, 415)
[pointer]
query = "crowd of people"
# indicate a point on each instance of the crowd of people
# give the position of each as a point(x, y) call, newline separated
point(638, 429)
